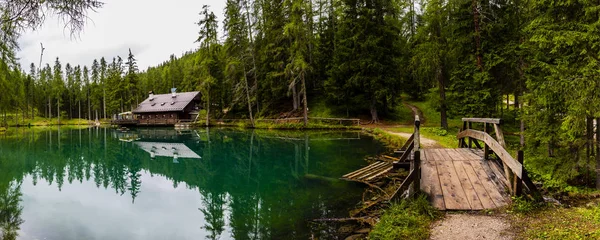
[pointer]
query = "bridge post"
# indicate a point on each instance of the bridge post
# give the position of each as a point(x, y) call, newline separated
point(417, 169)
point(470, 126)
point(486, 148)
point(518, 189)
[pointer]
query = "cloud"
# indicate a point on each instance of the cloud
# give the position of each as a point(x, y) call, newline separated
point(153, 29)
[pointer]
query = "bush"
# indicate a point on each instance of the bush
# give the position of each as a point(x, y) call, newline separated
point(409, 219)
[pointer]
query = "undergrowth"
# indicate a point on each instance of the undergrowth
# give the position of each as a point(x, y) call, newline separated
point(408, 219)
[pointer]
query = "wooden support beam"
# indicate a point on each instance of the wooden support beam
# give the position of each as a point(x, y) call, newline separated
point(486, 148)
point(518, 183)
point(469, 126)
point(417, 169)
point(483, 120)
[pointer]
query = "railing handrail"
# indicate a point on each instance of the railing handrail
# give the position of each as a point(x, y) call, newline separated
point(411, 146)
point(514, 165)
point(483, 120)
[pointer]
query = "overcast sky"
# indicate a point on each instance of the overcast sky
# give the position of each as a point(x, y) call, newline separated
point(153, 29)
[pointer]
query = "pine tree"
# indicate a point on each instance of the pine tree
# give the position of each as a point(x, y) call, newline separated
point(208, 46)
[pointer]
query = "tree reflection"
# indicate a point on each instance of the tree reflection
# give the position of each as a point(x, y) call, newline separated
point(10, 210)
point(251, 182)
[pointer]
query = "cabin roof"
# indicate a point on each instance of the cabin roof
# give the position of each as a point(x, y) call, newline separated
point(166, 103)
point(165, 149)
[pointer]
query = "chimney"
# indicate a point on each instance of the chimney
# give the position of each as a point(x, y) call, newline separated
point(173, 92)
point(151, 95)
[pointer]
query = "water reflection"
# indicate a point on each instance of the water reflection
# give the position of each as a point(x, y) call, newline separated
point(10, 210)
point(164, 184)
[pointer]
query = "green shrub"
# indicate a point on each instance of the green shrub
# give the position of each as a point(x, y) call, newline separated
point(409, 219)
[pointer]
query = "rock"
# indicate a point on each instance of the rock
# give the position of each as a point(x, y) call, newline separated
point(355, 237)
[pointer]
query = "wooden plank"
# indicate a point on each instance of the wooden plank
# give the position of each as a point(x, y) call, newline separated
point(471, 155)
point(456, 154)
point(488, 184)
point(454, 195)
point(362, 170)
point(507, 159)
point(432, 155)
point(465, 154)
point(480, 190)
point(467, 186)
point(445, 155)
point(380, 173)
point(430, 184)
point(376, 171)
point(483, 120)
point(407, 181)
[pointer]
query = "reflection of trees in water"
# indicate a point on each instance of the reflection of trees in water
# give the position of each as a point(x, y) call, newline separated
point(259, 179)
point(213, 208)
point(10, 210)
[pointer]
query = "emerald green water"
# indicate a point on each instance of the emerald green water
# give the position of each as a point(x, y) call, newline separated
point(105, 184)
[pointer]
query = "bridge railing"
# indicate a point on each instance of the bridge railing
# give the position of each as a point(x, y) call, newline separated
point(513, 168)
point(410, 148)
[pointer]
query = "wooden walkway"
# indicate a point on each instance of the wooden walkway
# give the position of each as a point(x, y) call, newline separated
point(458, 179)
point(464, 178)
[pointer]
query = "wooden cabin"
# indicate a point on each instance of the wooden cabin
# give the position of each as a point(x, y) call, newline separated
point(168, 109)
point(163, 110)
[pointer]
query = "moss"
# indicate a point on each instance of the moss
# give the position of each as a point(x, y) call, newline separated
point(409, 219)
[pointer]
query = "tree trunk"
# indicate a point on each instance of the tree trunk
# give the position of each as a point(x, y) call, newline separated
point(305, 99)
point(248, 96)
point(374, 117)
point(79, 113)
point(442, 90)
point(208, 107)
point(477, 35)
point(516, 103)
point(294, 96)
point(104, 100)
point(255, 72)
point(58, 110)
point(89, 106)
point(597, 154)
point(49, 107)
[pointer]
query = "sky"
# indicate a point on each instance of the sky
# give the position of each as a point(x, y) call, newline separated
point(153, 29)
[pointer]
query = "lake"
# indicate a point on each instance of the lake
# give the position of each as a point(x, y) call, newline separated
point(101, 183)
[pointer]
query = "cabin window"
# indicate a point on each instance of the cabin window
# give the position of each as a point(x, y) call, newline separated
point(156, 115)
point(142, 116)
point(172, 103)
point(162, 104)
point(153, 104)
point(171, 115)
point(164, 116)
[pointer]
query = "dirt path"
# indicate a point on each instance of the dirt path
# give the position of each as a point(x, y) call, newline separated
point(425, 142)
point(470, 227)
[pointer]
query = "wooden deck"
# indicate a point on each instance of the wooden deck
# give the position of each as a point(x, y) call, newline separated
point(458, 179)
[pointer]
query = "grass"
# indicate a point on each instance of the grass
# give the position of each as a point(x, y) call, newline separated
point(552, 222)
point(409, 219)
point(40, 121)
point(390, 140)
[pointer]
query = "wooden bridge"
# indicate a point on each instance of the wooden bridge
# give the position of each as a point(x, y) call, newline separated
point(478, 175)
